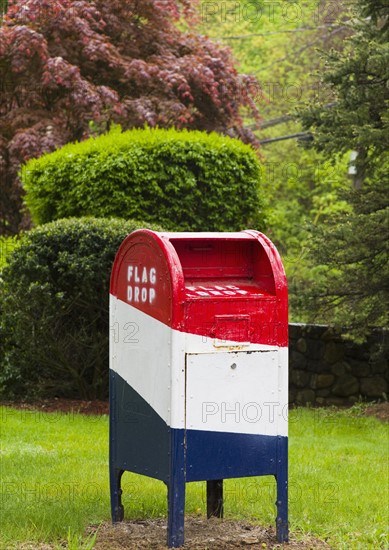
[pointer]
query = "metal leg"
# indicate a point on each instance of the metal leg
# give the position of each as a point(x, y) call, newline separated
point(117, 510)
point(215, 498)
point(282, 490)
point(176, 507)
point(115, 474)
point(176, 491)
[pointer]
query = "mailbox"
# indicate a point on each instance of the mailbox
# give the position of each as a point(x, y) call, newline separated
point(198, 366)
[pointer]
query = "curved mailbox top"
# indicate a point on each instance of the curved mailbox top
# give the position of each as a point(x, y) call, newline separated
point(220, 285)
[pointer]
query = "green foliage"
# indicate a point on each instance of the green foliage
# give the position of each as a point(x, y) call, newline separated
point(351, 248)
point(189, 181)
point(306, 191)
point(3, 8)
point(54, 309)
point(7, 244)
point(279, 43)
point(358, 78)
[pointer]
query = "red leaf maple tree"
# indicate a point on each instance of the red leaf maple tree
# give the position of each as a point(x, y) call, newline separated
point(71, 68)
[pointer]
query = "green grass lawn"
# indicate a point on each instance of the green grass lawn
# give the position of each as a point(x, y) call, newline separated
point(54, 478)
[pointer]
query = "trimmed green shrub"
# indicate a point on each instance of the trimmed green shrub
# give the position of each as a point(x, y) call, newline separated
point(7, 244)
point(184, 180)
point(54, 309)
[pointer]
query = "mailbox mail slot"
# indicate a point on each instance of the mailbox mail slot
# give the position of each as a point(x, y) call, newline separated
point(198, 366)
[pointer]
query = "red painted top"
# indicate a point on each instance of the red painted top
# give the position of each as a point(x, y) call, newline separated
point(229, 286)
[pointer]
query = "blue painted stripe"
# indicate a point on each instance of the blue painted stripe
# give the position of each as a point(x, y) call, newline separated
point(218, 455)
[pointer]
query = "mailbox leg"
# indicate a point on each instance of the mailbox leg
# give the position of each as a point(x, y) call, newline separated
point(215, 498)
point(176, 491)
point(117, 510)
point(282, 491)
point(176, 508)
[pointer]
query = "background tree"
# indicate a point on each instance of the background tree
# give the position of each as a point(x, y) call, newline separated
point(68, 69)
point(352, 247)
point(358, 79)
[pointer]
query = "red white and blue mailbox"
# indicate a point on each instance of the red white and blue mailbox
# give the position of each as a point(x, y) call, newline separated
point(198, 366)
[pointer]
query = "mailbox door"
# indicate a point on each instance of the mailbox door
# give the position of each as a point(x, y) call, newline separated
point(236, 407)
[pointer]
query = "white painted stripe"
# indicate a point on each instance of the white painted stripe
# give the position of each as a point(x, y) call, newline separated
point(150, 357)
point(140, 352)
point(235, 392)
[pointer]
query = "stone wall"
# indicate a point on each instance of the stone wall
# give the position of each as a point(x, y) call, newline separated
point(326, 370)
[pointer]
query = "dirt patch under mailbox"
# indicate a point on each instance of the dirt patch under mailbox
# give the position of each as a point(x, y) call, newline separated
point(200, 534)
